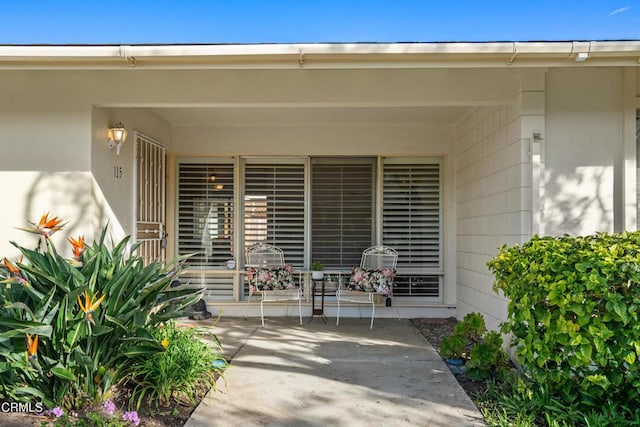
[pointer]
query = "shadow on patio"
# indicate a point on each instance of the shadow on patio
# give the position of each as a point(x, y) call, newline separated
point(320, 375)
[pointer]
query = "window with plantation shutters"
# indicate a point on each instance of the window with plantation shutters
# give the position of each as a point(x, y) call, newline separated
point(205, 213)
point(329, 213)
point(411, 223)
point(342, 210)
point(274, 208)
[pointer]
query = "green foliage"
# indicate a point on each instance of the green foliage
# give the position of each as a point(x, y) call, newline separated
point(483, 350)
point(519, 402)
point(573, 314)
point(317, 266)
point(181, 371)
point(89, 314)
point(95, 419)
point(472, 327)
point(452, 346)
point(487, 358)
point(90, 419)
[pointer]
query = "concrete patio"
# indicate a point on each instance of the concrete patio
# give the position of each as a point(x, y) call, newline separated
point(321, 375)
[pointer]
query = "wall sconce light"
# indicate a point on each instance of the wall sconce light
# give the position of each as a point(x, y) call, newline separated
point(117, 136)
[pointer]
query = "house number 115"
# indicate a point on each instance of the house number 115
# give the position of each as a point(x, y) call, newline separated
point(117, 172)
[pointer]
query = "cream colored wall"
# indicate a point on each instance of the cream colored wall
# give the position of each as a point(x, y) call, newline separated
point(115, 175)
point(45, 166)
point(583, 151)
point(491, 171)
point(29, 194)
point(55, 157)
point(579, 116)
point(326, 139)
point(50, 91)
point(57, 122)
point(53, 128)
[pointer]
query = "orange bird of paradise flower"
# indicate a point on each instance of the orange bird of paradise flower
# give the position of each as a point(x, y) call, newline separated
point(78, 246)
point(46, 227)
point(16, 276)
point(89, 305)
point(32, 347)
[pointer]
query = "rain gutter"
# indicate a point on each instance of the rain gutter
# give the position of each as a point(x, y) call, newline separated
point(323, 55)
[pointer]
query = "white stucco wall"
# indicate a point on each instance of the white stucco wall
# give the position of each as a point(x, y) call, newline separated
point(53, 128)
point(55, 157)
point(115, 175)
point(320, 139)
point(56, 123)
point(578, 116)
point(583, 151)
point(45, 162)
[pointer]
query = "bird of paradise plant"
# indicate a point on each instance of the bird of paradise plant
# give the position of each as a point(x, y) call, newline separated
point(14, 273)
point(32, 348)
point(45, 227)
point(89, 306)
point(119, 300)
point(77, 246)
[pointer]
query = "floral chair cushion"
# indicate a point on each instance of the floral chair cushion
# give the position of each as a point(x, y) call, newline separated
point(378, 281)
point(269, 279)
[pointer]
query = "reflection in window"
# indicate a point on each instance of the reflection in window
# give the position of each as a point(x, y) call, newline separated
point(255, 219)
point(274, 207)
point(205, 213)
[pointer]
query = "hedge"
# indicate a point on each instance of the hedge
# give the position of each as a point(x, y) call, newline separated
point(573, 313)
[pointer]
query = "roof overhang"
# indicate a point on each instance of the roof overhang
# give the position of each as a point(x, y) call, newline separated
point(323, 55)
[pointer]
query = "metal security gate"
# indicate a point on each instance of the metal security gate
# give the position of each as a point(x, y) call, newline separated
point(150, 198)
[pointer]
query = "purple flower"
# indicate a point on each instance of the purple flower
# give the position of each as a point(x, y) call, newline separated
point(108, 406)
point(57, 411)
point(131, 416)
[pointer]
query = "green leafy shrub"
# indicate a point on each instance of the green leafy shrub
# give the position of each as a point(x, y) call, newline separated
point(453, 346)
point(80, 318)
point(487, 359)
point(573, 313)
point(181, 371)
point(481, 350)
point(515, 401)
point(472, 327)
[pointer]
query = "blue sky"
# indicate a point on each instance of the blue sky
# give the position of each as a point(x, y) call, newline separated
point(186, 21)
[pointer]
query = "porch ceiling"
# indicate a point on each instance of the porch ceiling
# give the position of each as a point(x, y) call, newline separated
point(262, 116)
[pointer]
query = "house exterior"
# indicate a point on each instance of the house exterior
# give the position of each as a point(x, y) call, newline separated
point(444, 151)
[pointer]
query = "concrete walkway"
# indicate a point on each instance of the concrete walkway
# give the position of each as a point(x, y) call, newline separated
point(321, 375)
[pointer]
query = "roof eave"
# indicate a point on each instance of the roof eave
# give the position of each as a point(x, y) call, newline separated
point(323, 55)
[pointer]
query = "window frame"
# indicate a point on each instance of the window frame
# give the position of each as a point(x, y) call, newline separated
point(417, 271)
point(238, 163)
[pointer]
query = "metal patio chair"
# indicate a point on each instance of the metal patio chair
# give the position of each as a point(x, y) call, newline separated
point(268, 275)
point(375, 276)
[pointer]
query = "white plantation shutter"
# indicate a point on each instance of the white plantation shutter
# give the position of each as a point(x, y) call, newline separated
point(345, 205)
point(274, 208)
point(205, 213)
point(412, 223)
point(216, 287)
point(342, 210)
